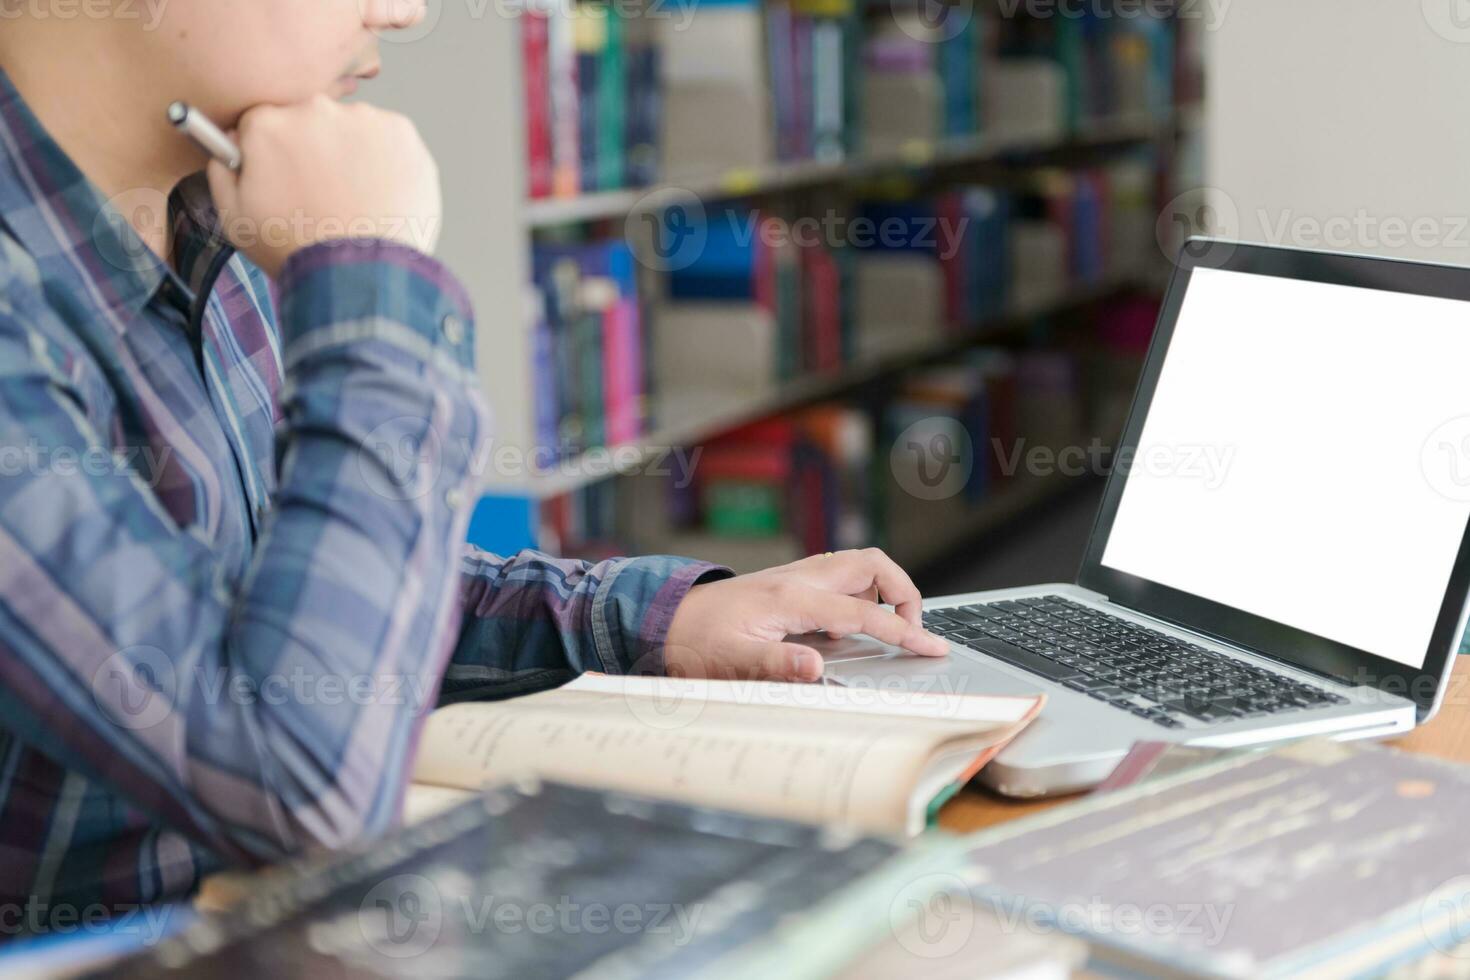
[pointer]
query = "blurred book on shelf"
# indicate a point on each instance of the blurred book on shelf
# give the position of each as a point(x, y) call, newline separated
point(593, 104)
point(853, 472)
point(717, 114)
point(626, 95)
point(588, 347)
point(859, 248)
point(836, 474)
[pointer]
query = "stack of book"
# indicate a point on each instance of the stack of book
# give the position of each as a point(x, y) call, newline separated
point(593, 98)
point(1082, 227)
point(834, 476)
point(588, 347)
point(845, 474)
point(756, 307)
point(812, 49)
point(1060, 72)
point(977, 274)
point(804, 478)
point(768, 299)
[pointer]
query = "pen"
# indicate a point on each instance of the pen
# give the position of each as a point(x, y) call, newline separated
point(209, 137)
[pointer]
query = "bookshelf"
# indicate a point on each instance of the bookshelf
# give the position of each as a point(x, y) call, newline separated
point(701, 417)
point(1122, 128)
point(460, 79)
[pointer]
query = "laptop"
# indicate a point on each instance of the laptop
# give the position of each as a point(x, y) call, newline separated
point(1281, 550)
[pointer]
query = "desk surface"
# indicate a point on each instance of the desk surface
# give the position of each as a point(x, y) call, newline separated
point(1447, 736)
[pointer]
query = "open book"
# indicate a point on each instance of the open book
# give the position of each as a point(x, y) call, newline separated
point(870, 758)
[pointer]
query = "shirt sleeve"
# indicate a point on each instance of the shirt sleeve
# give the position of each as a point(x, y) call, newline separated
point(533, 622)
point(277, 712)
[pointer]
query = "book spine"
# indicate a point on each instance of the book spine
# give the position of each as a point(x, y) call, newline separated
point(1090, 226)
point(590, 362)
point(566, 159)
point(543, 367)
point(788, 306)
point(1071, 54)
point(808, 505)
point(957, 61)
point(564, 281)
point(1061, 210)
point(645, 110)
point(824, 289)
point(976, 420)
point(534, 41)
point(827, 86)
point(852, 81)
point(621, 368)
point(954, 265)
point(783, 85)
point(612, 83)
point(985, 254)
point(801, 73)
point(591, 35)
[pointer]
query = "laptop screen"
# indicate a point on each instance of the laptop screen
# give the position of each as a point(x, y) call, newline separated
point(1306, 458)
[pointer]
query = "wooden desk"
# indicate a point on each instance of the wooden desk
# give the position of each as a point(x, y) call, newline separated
point(1447, 736)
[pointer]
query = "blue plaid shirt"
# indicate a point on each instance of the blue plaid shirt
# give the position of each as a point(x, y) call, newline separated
point(228, 597)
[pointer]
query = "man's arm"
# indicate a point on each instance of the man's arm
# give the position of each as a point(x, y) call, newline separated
point(278, 713)
point(532, 621)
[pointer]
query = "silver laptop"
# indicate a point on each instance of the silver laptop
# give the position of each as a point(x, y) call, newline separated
point(1281, 549)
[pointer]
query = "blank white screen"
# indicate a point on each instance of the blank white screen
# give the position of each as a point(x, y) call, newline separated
point(1316, 403)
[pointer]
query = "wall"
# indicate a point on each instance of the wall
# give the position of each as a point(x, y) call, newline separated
point(1341, 123)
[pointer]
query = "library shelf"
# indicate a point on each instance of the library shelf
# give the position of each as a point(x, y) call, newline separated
point(922, 543)
point(929, 543)
point(1134, 127)
point(688, 418)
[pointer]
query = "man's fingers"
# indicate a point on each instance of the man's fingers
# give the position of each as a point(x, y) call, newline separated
point(781, 661)
point(846, 614)
point(857, 573)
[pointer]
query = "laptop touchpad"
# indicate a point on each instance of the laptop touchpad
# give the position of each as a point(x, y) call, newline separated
point(848, 648)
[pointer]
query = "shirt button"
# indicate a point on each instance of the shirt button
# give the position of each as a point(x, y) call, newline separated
point(454, 497)
point(453, 328)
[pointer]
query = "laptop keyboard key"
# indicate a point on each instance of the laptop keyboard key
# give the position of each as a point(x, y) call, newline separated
point(1024, 659)
point(1123, 662)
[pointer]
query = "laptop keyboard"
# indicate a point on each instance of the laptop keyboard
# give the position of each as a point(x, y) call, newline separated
point(1134, 668)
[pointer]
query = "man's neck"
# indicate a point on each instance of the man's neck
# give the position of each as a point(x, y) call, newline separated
point(100, 111)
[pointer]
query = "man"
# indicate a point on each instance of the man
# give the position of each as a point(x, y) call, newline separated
point(223, 615)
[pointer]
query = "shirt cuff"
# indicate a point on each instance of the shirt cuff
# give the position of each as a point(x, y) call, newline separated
point(350, 289)
point(635, 604)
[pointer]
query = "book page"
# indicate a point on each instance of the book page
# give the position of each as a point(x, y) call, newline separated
point(815, 766)
point(869, 699)
point(424, 800)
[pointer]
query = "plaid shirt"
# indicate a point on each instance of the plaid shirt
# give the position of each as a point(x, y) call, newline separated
point(232, 569)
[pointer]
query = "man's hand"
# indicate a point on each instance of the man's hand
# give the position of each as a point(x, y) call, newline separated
point(321, 170)
point(736, 628)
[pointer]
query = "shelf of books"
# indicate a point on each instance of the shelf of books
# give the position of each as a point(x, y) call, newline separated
point(783, 258)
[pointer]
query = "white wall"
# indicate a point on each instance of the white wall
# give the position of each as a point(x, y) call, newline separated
point(458, 77)
point(1342, 124)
